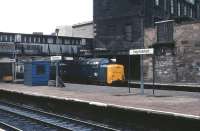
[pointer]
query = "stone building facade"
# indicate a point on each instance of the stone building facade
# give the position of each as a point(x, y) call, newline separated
point(119, 26)
point(178, 63)
point(83, 30)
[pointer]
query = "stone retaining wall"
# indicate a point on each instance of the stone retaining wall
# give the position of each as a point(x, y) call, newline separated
point(180, 63)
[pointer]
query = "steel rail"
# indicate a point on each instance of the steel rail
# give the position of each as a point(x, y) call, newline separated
point(37, 120)
point(8, 127)
point(58, 117)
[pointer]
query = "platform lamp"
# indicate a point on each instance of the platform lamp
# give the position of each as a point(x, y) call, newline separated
point(57, 31)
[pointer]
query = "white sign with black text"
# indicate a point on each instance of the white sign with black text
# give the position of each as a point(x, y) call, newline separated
point(141, 51)
point(56, 58)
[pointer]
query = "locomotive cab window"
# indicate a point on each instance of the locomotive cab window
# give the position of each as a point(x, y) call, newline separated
point(40, 69)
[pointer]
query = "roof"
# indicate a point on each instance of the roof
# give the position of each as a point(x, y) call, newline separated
point(83, 24)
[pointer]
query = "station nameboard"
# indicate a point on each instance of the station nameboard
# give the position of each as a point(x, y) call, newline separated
point(56, 58)
point(141, 51)
point(7, 60)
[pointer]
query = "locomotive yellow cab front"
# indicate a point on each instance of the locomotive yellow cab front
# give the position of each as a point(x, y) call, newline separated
point(115, 72)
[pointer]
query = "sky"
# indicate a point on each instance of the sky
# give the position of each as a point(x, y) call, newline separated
point(27, 16)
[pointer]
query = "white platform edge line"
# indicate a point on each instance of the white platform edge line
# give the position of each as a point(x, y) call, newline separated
point(111, 105)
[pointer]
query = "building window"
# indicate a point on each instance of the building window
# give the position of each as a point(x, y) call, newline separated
point(83, 41)
point(172, 6)
point(38, 39)
point(29, 39)
point(67, 42)
point(165, 5)
point(73, 42)
point(198, 11)
point(34, 40)
point(44, 40)
point(191, 12)
point(157, 2)
point(25, 39)
point(18, 38)
point(1, 38)
point(5, 38)
point(128, 32)
point(179, 9)
point(50, 40)
point(111, 29)
point(107, 5)
point(185, 10)
point(10, 38)
point(58, 41)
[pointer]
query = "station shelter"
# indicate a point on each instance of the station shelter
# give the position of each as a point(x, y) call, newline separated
point(7, 72)
point(36, 73)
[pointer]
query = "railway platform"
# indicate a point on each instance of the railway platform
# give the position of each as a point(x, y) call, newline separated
point(175, 103)
point(190, 87)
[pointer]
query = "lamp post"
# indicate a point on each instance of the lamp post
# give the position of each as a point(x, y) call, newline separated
point(57, 62)
point(142, 47)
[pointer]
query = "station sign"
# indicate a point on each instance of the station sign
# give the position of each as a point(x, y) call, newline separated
point(69, 58)
point(141, 51)
point(7, 60)
point(56, 58)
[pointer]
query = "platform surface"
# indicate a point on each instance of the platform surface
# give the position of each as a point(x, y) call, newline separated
point(186, 103)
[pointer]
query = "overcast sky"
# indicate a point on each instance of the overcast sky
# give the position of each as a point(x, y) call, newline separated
point(27, 16)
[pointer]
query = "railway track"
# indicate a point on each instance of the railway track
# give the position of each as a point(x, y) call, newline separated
point(7, 127)
point(52, 120)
